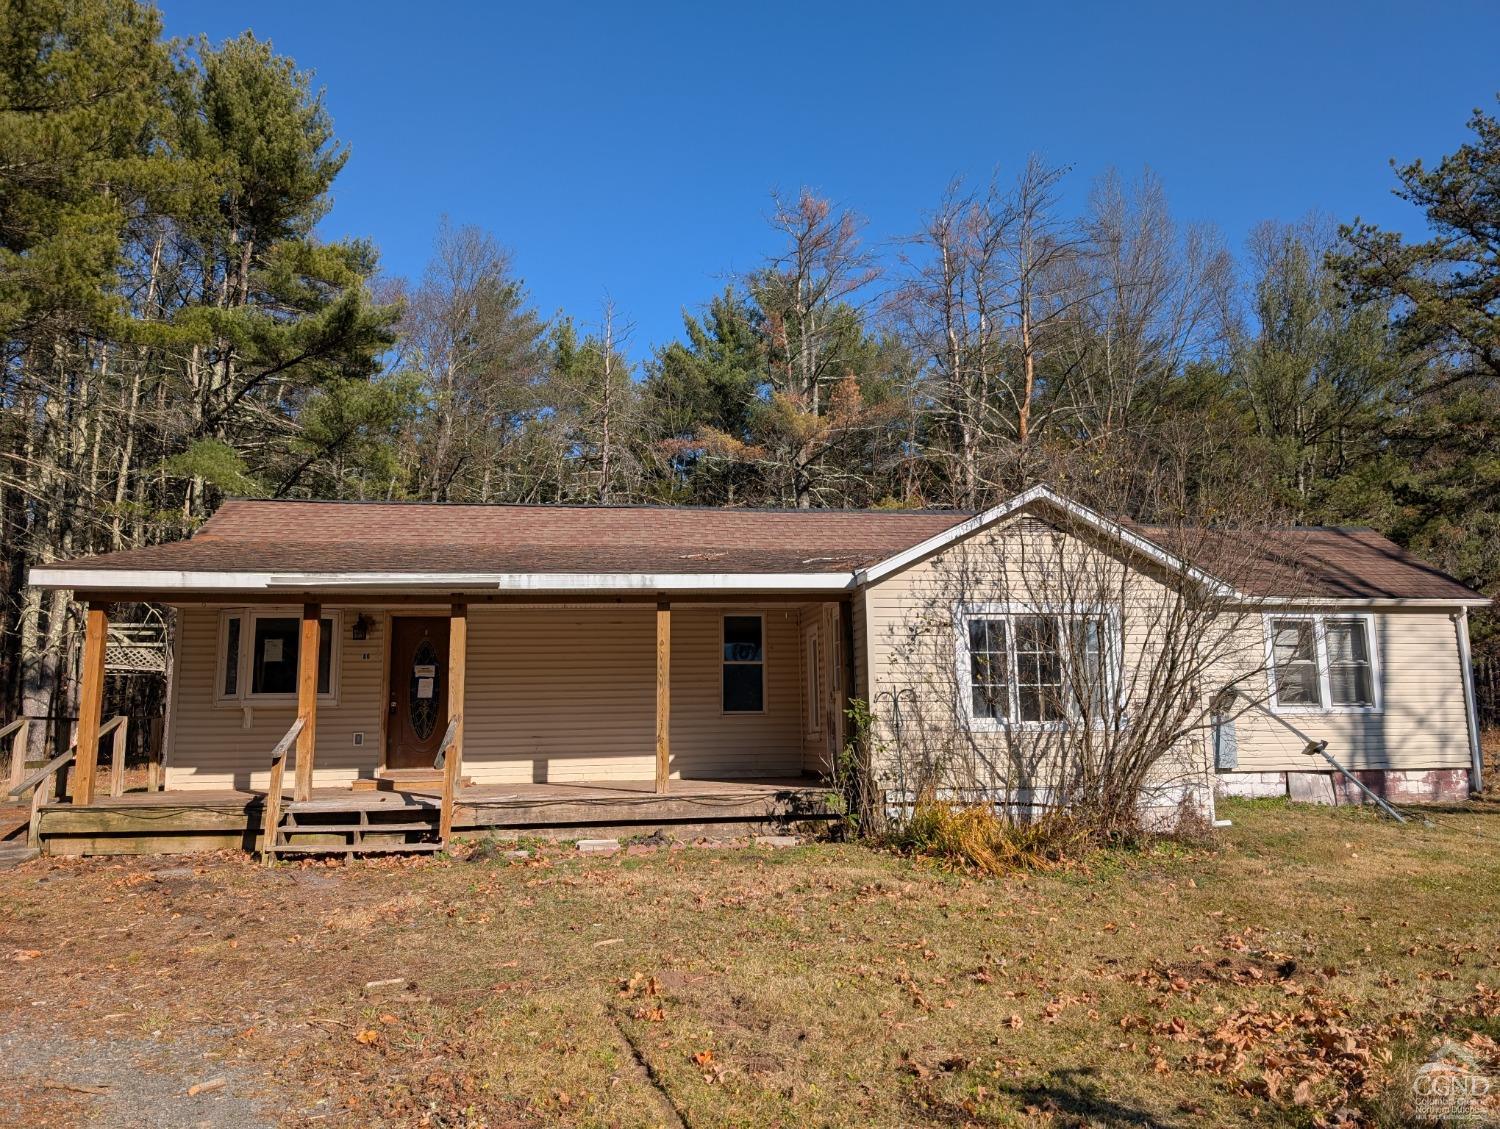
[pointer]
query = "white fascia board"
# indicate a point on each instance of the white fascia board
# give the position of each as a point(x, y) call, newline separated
point(126, 580)
point(1043, 494)
point(1336, 602)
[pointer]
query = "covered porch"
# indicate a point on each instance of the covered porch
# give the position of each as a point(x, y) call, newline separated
point(537, 714)
point(340, 820)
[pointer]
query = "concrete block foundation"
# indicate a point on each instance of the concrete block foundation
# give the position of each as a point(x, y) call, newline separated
point(1413, 786)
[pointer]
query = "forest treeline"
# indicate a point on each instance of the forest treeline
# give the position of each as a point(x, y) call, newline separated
point(176, 332)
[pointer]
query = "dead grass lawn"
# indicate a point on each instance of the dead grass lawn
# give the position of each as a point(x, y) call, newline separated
point(1299, 966)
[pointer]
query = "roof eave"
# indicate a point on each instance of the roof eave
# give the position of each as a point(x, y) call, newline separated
point(1414, 602)
point(124, 582)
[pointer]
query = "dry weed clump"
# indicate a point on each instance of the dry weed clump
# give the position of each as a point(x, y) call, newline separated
point(978, 839)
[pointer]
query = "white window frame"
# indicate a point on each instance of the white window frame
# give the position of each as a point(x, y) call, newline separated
point(243, 695)
point(1009, 612)
point(1320, 621)
point(764, 664)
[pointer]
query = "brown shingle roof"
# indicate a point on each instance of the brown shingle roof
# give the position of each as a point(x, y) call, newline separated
point(1318, 561)
point(414, 537)
point(405, 537)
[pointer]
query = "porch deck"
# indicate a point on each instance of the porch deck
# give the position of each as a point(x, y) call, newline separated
point(190, 821)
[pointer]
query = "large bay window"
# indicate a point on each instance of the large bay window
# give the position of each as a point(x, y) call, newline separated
point(1037, 666)
point(258, 652)
point(1321, 662)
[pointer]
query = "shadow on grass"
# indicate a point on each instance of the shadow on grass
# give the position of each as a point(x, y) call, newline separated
point(1074, 1094)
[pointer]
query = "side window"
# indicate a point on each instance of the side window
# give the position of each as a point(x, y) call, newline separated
point(1322, 662)
point(1294, 653)
point(230, 688)
point(744, 664)
point(1351, 675)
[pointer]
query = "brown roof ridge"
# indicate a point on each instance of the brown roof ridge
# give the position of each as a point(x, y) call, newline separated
point(672, 507)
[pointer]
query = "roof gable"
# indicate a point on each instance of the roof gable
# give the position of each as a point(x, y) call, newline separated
point(1045, 498)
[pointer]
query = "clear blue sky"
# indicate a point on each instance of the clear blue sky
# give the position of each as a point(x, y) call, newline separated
point(632, 147)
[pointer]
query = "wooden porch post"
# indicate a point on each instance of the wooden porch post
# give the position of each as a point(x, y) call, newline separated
point(90, 702)
point(848, 676)
point(663, 695)
point(307, 697)
point(453, 755)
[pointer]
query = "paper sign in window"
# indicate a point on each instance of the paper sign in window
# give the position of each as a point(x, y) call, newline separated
point(271, 650)
point(424, 687)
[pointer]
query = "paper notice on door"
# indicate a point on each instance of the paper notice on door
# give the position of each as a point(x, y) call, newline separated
point(425, 670)
point(424, 687)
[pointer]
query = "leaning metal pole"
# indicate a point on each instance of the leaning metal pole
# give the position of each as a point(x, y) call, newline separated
point(1320, 748)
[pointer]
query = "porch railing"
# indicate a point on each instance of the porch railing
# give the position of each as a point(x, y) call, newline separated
point(18, 731)
point(46, 783)
point(272, 818)
point(450, 759)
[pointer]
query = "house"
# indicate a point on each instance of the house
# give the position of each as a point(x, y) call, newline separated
point(579, 667)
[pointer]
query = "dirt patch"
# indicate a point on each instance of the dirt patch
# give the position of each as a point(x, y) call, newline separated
point(56, 1078)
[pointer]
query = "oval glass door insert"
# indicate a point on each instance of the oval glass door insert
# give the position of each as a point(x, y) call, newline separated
point(424, 690)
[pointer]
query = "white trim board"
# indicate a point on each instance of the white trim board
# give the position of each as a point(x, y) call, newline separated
point(160, 580)
point(1026, 498)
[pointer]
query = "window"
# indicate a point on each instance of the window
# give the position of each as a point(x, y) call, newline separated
point(1321, 662)
point(744, 664)
point(1295, 655)
point(258, 656)
point(814, 684)
point(1037, 667)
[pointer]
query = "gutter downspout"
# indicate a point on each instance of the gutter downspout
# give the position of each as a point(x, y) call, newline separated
point(1476, 758)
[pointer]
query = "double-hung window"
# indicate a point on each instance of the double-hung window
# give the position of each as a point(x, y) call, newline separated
point(1036, 666)
point(1321, 662)
point(744, 664)
point(258, 653)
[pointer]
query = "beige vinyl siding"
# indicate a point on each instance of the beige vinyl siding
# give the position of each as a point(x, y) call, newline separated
point(912, 643)
point(1422, 722)
point(553, 694)
point(556, 695)
point(211, 747)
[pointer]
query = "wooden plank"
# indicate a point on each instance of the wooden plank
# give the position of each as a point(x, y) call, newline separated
point(663, 695)
point(90, 702)
point(65, 819)
point(117, 757)
point(307, 697)
point(18, 731)
point(271, 817)
point(453, 757)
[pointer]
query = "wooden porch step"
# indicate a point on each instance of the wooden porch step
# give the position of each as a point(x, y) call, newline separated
point(320, 828)
point(341, 807)
point(353, 849)
point(398, 779)
point(14, 854)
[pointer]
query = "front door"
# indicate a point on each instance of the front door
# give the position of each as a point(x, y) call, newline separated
point(419, 691)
